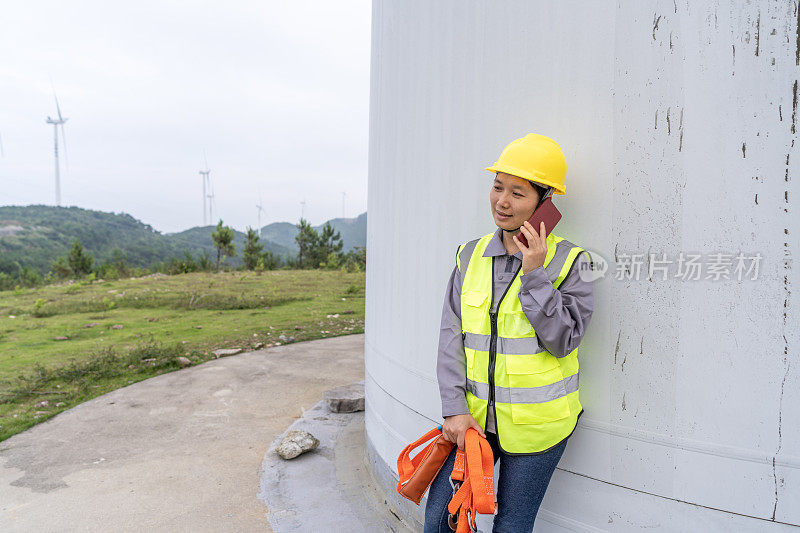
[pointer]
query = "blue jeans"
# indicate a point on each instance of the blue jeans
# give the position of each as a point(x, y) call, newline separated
point(520, 488)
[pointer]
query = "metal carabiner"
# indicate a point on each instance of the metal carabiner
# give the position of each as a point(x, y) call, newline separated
point(473, 525)
point(452, 519)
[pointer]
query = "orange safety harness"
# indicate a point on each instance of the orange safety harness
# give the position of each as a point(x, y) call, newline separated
point(472, 478)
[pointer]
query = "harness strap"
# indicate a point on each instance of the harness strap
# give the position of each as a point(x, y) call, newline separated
point(472, 476)
point(476, 493)
point(406, 466)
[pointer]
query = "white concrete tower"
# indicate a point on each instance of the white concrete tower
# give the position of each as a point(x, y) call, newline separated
point(679, 124)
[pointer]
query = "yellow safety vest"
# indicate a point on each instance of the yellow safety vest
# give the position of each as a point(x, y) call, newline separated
point(534, 393)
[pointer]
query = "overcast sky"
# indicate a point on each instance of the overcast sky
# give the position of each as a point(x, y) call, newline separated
point(276, 93)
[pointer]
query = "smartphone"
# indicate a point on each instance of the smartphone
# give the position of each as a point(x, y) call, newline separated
point(546, 211)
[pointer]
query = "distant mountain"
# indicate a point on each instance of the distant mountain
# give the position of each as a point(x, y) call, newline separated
point(35, 235)
point(352, 230)
point(199, 238)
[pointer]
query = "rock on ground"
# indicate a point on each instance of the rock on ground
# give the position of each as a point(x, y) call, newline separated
point(346, 399)
point(296, 442)
point(228, 351)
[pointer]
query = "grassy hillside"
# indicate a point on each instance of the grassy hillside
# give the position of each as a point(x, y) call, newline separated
point(35, 235)
point(61, 345)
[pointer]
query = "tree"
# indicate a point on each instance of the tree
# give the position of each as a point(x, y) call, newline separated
point(120, 263)
point(252, 249)
point(80, 261)
point(204, 261)
point(356, 259)
point(306, 240)
point(316, 248)
point(326, 245)
point(61, 268)
point(28, 277)
point(268, 261)
point(223, 241)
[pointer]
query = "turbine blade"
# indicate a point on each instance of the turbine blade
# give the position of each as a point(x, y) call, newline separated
point(58, 108)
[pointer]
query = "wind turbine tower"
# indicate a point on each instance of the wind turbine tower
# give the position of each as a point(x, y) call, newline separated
point(302, 209)
point(204, 174)
point(206, 182)
point(260, 208)
point(210, 202)
point(56, 122)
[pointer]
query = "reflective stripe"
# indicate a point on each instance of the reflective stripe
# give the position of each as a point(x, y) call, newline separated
point(545, 393)
point(464, 255)
point(505, 345)
point(553, 268)
point(481, 390)
point(537, 394)
point(573, 254)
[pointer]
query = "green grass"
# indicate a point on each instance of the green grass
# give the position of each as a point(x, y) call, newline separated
point(162, 318)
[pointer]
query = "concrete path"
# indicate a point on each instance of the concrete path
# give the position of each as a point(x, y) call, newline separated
point(178, 452)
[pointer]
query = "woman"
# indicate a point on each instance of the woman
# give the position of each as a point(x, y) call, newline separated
point(512, 321)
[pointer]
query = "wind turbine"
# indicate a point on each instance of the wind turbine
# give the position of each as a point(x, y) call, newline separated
point(204, 174)
point(211, 202)
point(56, 122)
point(2, 152)
point(260, 208)
point(343, 195)
point(302, 209)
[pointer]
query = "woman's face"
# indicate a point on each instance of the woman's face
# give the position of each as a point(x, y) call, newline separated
point(513, 196)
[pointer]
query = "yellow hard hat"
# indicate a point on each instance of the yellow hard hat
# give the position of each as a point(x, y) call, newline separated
point(535, 158)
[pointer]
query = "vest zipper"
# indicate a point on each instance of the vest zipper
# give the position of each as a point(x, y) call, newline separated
point(493, 347)
point(492, 355)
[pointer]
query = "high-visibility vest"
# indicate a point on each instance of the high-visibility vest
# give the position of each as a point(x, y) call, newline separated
point(534, 394)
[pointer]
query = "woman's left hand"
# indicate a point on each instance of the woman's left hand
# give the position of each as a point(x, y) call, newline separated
point(534, 254)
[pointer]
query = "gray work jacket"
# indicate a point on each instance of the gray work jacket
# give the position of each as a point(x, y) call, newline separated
point(559, 317)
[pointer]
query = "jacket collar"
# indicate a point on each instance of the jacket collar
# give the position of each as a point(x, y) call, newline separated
point(496, 248)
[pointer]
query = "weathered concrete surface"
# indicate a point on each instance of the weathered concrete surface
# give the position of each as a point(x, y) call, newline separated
point(346, 399)
point(178, 452)
point(329, 488)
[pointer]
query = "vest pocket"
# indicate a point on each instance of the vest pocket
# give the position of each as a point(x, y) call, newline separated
point(540, 413)
point(474, 308)
point(475, 298)
point(537, 391)
point(518, 323)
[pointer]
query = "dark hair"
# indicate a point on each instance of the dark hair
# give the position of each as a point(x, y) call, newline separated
point(540, 189)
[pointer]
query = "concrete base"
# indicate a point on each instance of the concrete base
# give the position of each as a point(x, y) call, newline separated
point(329, 488)
point(386, 481)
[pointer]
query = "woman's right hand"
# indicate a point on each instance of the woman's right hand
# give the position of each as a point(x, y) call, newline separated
point(455, 427)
